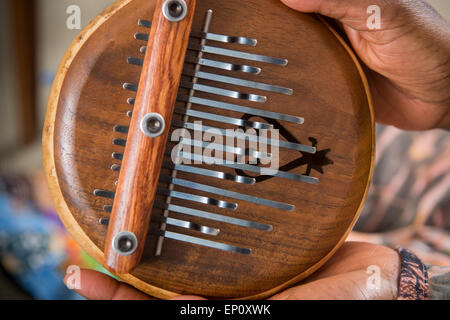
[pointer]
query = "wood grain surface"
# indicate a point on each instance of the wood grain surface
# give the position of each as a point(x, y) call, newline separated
point(330, 93)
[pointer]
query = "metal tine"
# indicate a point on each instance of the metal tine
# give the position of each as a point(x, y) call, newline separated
point(136, 61)
point(250, 168)
point(207, 63)
point(198, 199)
point(141, 36)
point(213, 216)
point(211, 36)
point(224, 52)
point(191, 225)
point(203, 144)
point(223, 65)
point(223, 92)
point(234, 107)
point(200, 171)
point(120, 142)
point(238, 82)
point(121, 129)
point(241, 109)
point(225, 38)
point(104, 194)
point(222, 119)
point(104, 221)
point(145, 23)
point(130, 87)
point(178, 223)
point(117, 156)
point(238, 54)
point(204, 242)
point(243, 136)
point(209, 173)
point(116, 167)
point(214, 117)
point(227, 193)
point(228, 149)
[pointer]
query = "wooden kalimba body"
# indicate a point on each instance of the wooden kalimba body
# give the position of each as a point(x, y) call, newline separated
point(249, 81)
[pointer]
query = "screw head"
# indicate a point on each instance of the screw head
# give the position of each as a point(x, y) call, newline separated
point(175, 10)
point(125, 243)
point(153, 125)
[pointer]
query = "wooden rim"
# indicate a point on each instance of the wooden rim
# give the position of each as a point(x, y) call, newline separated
point(62, 208)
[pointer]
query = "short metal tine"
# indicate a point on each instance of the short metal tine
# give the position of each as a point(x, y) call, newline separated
point(225, 38)
point(145, 23)
point(223, 65)
point(198, 199)
point(192, 226)
point(104, 194)
point(204, 242)
point(223, 92)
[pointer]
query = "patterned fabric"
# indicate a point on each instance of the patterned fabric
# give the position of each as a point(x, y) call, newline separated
point(413, 283)
point(439, 280)
point(411, 182)
point(408, 204)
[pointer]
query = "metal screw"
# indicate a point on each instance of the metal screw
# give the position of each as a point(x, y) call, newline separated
point(153, 125)
point(175, 10)
point(125, 243)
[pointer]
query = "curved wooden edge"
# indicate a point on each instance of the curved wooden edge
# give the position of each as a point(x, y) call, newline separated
point(318, 265)
point(62, 208)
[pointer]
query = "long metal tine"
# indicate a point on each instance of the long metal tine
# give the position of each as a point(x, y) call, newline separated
point(250, 168)
point(209, 173)
point(218, 118)
point(241, 109)
point(238, 82)
point(228, 193)
point(243, 136)
point(228, 149)
point(214, 216)
point(238, 54)
point(204, 242)
point(177, 223)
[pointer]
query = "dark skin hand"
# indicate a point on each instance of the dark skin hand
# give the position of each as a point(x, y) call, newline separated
point(408, 68)
point(408, 59)
point(344, 276)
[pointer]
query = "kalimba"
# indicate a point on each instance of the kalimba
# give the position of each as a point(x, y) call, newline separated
point(216, 148)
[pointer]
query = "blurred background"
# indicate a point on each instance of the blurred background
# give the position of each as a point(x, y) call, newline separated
point(408, 205)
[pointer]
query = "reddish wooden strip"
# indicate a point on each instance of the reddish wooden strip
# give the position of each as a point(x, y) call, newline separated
point(143, 156)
